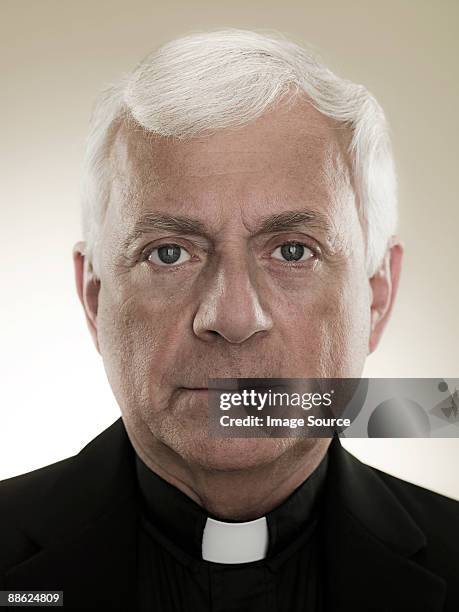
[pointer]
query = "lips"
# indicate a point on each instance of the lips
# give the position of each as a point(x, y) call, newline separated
point(207, 389)
point(235, 387)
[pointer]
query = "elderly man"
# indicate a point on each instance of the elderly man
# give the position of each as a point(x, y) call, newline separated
point(239, 216)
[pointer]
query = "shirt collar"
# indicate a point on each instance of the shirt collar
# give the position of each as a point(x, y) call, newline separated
point(186, 524)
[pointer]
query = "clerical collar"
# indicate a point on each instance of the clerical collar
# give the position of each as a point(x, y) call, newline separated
point(190, 528)
point(237, 542)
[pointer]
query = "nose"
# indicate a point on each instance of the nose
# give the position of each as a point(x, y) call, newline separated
point(230, 307)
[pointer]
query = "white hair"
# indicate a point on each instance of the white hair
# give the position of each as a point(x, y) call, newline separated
point(209, 81)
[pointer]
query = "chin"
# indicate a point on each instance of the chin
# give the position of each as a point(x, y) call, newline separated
point(234, 454)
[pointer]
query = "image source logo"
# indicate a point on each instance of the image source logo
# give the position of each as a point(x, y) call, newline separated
point(323, 407)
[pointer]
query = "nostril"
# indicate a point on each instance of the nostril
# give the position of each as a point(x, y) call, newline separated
point(211, 333)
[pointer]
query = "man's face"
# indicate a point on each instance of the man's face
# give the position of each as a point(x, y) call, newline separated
point(228, 296)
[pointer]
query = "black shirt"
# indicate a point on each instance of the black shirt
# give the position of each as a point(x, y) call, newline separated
point(172, 576)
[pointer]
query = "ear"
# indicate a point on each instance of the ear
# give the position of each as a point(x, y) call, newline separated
point(384, 285)
point(88, 286)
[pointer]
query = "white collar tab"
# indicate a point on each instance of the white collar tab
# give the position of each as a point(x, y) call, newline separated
point(235, 542)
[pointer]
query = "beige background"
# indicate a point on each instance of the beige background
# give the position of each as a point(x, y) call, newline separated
point(56, 55)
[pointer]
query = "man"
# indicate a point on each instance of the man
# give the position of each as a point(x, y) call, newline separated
point(239, 218)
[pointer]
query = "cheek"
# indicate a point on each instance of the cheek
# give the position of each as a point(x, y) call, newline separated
point(136, 323)
point(326, 331)
point(343, 334)
point(140, 336)
point(129, 338)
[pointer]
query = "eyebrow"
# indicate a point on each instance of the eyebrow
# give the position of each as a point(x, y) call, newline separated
point(293, 219)
point(284, 221)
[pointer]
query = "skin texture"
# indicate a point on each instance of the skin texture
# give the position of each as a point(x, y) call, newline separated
point(232, 306)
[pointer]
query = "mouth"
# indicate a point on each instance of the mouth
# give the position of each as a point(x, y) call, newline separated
point(236, 388)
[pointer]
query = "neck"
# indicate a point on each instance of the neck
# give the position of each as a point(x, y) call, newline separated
point(241, 494)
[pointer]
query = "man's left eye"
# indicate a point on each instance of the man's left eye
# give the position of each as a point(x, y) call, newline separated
point(292, 251)
point(168, 255)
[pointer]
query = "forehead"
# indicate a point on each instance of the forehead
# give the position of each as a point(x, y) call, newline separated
point(289, 155)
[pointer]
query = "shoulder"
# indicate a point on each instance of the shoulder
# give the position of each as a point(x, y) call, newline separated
point(438, 518)
point(97, 460)
point(39, 507)
point(20, 496)
point(30, 487)
point(425, 505)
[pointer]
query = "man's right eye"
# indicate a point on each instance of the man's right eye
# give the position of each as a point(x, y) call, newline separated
point(168, 255)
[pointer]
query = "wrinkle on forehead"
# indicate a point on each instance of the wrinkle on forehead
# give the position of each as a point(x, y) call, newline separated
point(299, 153)
point(300, 132)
